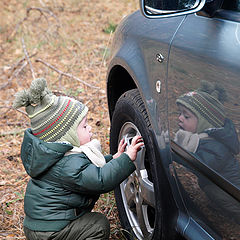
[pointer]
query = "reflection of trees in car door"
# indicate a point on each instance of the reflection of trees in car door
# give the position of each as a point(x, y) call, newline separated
point(205, 49)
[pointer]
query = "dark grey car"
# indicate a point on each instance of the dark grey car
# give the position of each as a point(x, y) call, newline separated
point(172, 53)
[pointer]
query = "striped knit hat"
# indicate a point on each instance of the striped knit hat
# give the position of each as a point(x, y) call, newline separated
point(53, 118)
point(205, 104)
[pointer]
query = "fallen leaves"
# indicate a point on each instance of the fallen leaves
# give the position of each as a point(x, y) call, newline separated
point(68, 37)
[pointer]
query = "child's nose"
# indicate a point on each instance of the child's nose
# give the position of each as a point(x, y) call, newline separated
point(89, 128)
point(180, 117)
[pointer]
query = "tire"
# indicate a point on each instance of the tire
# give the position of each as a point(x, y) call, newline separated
point(135, 197)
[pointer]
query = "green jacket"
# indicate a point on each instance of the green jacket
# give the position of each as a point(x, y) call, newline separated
point(62, 188)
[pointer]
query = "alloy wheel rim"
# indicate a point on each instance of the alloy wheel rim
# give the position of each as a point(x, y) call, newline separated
point(137, 190)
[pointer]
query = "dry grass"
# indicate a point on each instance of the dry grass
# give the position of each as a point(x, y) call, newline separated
point(71, 36)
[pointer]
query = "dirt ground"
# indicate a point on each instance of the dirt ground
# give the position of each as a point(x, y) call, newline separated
point(67, 42)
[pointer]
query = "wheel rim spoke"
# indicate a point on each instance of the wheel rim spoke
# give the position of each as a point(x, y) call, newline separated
point(139, 162)
point(129, 193)
point(137, 190)
point(146, 189)
point(141, 212)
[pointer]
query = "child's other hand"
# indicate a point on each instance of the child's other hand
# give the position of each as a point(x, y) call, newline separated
point(137, 143)
point(121, 148)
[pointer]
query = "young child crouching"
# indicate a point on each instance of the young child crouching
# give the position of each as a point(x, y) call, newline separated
point(67, 168)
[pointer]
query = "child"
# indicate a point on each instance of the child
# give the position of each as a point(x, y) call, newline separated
point(67, 168)
point(206, 132)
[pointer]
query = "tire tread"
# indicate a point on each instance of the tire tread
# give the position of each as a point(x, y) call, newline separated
point(137, 102)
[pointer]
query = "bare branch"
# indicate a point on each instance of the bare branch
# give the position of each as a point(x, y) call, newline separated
point(105, 54)
point(42, 3)
point(42, 11)
point(18, 110)
point(65, 74)
point(18, 71)
point(15, 74)
point(27, 57)
point(15, 70)
point(11, 133)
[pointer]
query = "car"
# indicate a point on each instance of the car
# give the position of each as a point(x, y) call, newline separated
point(161, 53)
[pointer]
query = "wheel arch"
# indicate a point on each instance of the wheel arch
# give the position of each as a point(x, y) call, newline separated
point(126, 74)
point(119, 81)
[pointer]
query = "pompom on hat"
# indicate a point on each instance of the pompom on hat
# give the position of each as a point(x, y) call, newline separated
point(207, 104)
point(53, 118)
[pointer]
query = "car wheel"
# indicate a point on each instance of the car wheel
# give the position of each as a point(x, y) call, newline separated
point(135, 196)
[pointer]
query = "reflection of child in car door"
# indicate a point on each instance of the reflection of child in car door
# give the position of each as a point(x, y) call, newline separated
point(206, 132)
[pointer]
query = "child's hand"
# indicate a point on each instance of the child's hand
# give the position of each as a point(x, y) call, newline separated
point(137, 143)
point(121, 148)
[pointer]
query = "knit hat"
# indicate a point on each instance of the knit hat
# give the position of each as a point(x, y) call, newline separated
point(206, 104)
point(53, 118)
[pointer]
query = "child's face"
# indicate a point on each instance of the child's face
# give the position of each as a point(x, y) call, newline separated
point(187, 119)
point(84, 132)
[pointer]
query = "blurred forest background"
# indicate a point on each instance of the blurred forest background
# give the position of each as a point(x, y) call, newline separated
point(68, 42)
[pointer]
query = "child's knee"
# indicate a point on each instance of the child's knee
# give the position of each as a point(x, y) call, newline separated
point(89, 226)
point(93, 225)
point(102, 226)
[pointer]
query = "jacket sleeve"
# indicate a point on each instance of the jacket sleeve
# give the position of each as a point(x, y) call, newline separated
point(80, 175)
point(108, 157)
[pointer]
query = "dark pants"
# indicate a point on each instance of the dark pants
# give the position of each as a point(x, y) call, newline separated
point(90, 226)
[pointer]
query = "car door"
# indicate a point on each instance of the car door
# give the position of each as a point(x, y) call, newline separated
point(207, 49)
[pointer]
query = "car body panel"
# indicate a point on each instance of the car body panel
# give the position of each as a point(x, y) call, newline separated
point(189, 56)
point(132, 44)
point(194, 57)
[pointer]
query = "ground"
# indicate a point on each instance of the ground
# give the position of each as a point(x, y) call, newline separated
point(68, 42)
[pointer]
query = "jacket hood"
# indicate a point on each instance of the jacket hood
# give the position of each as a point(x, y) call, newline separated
point(38, 156)
point(227, 135)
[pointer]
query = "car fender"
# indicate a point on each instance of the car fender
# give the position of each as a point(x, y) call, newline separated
point(130, 47)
